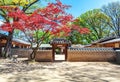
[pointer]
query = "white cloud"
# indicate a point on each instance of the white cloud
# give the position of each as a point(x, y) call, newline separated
point(1, 22)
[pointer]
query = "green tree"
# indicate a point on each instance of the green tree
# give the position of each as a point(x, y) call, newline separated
point(77, 38)
point(97, 22)
point(113, 11)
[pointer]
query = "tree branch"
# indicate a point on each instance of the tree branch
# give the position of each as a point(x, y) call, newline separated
point(25, 8)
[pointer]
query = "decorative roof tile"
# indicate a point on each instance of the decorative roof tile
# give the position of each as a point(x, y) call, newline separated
point(60, 41)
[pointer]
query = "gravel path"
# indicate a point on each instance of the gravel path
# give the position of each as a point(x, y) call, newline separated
point(23, 71)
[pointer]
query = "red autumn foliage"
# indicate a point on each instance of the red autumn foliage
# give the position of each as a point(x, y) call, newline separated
point(6, 27)
point(84, 31)
point(52, 18)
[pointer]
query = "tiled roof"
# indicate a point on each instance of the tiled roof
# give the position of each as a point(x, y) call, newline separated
point(60, 41)
point(44, 46)
point(21, 41)
point(111, 41)
point(105, 39)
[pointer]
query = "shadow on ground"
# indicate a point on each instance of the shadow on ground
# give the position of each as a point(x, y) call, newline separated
point(59, 72)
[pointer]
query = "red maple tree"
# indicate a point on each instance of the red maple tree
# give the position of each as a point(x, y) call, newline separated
point(52, 19)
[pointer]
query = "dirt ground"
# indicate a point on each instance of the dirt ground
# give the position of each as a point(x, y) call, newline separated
point(23, 71)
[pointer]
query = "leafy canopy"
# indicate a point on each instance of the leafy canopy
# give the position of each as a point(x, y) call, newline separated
point(52, 19)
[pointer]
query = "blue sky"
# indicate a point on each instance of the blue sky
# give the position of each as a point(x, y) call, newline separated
point(81, 6)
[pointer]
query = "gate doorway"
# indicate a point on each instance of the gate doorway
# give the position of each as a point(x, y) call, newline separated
point(59, 54)
point(59, 49)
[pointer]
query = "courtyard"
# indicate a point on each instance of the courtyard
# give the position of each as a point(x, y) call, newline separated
point(27, 71)
point(59, 41)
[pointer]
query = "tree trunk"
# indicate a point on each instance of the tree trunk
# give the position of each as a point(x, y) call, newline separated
point(0, 51)
point(33, 54)
point(7, 49)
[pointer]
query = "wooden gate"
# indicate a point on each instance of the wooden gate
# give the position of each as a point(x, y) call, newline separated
point(60, 43)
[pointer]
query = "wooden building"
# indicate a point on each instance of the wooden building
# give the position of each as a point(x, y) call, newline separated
point(113, 42)
point(16, 43)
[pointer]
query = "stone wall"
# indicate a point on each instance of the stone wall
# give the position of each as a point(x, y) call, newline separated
point(74, 54)
point(22, 53)
point(42, 55)
point(91, 54)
